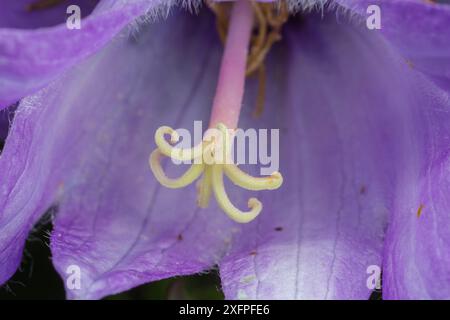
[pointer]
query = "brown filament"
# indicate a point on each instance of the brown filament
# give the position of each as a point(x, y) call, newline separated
point(261, 97)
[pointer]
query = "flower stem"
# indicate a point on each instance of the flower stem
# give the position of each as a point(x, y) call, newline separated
point(230, 87)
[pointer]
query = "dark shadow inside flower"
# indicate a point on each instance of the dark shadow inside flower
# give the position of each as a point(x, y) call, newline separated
point(32, 14)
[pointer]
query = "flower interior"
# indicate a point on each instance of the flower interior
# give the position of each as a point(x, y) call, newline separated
point(248, 31)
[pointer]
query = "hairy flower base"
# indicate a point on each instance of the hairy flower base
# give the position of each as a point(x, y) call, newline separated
point(208, 159)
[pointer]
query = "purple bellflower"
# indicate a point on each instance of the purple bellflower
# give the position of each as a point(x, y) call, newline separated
point(364, 118)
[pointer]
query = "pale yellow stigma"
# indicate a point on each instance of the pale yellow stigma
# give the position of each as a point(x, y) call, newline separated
point(210, 158)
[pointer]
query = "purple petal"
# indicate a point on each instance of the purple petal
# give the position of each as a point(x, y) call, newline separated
point(22, 195)
point(115, 222)
point(347, 101)
point(418, 29)
point(31, 58)
point(417, 251)
point(417, 255)
point(417, 259)
point(18, 14)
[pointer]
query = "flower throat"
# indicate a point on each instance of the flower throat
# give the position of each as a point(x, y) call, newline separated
point(244, 55)
point(270, 18)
